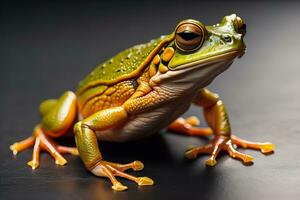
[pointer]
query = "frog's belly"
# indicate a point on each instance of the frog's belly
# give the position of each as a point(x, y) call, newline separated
point(145, 124)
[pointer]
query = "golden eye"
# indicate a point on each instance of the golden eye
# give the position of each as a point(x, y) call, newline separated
point(189, 35)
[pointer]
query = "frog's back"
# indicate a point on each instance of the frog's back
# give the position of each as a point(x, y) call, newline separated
point(114, 81)
point(123, 66)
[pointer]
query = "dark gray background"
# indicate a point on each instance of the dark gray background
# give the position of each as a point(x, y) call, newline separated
point(46, 48)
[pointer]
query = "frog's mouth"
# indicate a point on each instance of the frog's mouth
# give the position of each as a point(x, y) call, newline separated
point(210, 67)
point(200, 72)
point(227, 55)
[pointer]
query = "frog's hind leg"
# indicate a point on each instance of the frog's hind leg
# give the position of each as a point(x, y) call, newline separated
point(42, 141)
point(22, 145)
point(189, 127)
point(58, 116)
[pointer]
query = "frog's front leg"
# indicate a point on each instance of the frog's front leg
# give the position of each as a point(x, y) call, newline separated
point(217, 119)
point(57, 117)
point(87, 145)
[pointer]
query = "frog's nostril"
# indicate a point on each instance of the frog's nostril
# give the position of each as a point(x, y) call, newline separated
point(240, 25)
point(243, 29)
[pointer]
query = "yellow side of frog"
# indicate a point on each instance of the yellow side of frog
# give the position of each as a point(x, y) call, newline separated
point(141, 90)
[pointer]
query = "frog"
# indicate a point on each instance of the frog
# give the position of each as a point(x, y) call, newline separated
point(142, 90)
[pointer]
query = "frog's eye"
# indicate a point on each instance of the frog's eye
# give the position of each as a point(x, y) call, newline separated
point(189, 35)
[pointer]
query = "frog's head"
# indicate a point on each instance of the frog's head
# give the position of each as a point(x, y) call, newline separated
point(199, 53)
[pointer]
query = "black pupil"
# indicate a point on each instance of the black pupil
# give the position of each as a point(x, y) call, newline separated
point(186, 35)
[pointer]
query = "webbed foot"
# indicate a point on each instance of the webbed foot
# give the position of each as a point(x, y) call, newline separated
point(227, 144)
point(111, 170)
point(40, 141)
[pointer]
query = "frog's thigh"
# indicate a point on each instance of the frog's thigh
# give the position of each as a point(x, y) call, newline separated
point(47, 105)
point(85, 136)
point(58, 115)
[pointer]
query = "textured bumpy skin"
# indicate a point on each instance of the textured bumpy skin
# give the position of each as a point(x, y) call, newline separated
point(124, 65)
point(114, 81)
point(141, 90)
point(103, 97)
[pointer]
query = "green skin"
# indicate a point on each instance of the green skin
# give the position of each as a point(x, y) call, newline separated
point(214, 45)
point(129, 60)
point(154, 102)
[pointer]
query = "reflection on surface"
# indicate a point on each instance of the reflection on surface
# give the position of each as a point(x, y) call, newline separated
point(158, 159)
point(43, 42)
point(150, 150)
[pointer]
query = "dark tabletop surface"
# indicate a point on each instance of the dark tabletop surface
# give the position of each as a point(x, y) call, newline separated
point(46, 48)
